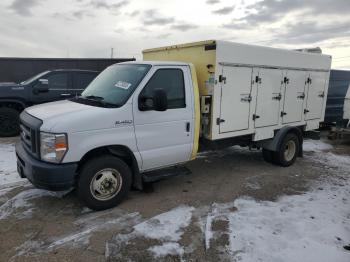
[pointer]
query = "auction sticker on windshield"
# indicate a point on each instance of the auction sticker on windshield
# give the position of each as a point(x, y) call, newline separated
point(123, 85)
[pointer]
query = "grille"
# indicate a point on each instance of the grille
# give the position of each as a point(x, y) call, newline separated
point(30, 133)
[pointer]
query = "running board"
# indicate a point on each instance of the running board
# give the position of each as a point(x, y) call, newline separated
point(156, 175)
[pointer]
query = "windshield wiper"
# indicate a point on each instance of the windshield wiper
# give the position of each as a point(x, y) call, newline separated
point(100, 100)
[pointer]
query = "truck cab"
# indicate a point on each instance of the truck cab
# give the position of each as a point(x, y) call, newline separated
point(47, 86)
point(134, 118)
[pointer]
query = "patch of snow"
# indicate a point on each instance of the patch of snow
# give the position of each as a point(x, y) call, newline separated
point(166, 226)
point(169, 248)
point(8, 165)
point(316, 146)
point(23, 200)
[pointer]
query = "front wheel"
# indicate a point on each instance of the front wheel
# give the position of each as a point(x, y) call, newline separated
point(104, 182)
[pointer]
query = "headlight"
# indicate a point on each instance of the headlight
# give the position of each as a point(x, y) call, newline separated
point(53, 147)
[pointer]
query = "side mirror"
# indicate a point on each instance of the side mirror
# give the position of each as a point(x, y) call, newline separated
point(158, 102)
point(42, 86)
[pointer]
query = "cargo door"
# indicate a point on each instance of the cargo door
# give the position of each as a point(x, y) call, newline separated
point(269, 82)
point(315, 95)
point(235, 98)
point(294, 96)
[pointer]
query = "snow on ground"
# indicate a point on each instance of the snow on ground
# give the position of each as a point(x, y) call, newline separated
point(8, 165)
point(23, 201)
point(316, 146)
point(167, 227)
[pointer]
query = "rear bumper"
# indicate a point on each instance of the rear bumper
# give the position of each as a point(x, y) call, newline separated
point(44, 175)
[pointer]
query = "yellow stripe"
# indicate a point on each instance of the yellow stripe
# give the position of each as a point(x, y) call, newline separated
point(196, 112)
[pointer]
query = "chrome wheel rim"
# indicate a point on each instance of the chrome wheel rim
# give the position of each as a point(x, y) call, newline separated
point(106, 184)
point(289, 150)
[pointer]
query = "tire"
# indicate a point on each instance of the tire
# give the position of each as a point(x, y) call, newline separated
point(104, 182)
point(267, 155)
point(9, 122)
point(288, 151)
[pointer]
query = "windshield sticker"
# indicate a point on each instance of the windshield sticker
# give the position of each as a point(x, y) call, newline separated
point(123, 85)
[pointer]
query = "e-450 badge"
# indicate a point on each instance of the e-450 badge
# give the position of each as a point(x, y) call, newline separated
point(123, 122)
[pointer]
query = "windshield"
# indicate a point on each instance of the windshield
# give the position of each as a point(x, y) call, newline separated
point(34, 78)
point(116, 83)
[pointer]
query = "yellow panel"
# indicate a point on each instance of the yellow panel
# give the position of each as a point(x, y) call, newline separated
point(194, 53)
point(196, 112)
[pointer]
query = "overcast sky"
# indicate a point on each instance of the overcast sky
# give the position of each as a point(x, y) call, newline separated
point(89, 28)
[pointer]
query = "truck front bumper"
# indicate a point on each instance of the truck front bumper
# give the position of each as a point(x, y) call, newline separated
point(44, 175)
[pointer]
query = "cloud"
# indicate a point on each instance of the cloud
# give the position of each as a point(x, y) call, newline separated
point(311, 32)
point(133, 14)
point(24, 7)
point(104, 4)
point(152, 17)
point(183, 26)
point(163, 36)
point(212, 2)
point(224, 11)
point(80, 14)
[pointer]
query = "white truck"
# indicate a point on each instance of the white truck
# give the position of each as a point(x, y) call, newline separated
point(141, 121)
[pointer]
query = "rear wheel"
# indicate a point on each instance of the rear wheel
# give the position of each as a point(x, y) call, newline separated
point(288, 151)
point(104, 182)
point(9, 122)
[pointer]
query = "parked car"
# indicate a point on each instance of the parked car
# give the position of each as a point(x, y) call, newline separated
point(141, 121)
point(45, 87)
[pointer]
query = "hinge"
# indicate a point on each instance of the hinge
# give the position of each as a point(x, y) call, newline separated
point(286, 80)
point(283, 114)
point(306, 111)
point(222, 79)
point(279, 97)
point(321, 95)
point(219, 121)
point(258, 80)
point(255, 117)
point(246, 99)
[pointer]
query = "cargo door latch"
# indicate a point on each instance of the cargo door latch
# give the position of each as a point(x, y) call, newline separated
point(255, 117)
point(219, 121)
point(222, 79)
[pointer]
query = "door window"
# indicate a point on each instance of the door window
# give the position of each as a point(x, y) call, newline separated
point(58, 81)
point(172, 81)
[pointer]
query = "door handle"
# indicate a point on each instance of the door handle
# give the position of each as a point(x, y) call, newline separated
point(188, 127)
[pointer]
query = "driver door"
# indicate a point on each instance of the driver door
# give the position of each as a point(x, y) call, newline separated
point(165, 138)
point(58, 87)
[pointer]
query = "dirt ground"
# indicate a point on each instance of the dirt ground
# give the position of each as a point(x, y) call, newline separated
point(41, 226)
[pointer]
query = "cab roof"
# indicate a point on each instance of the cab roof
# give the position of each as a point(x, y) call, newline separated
point(157, 63)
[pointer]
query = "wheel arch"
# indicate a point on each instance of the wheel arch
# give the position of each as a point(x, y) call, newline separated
point(120, 151)
point(275, 143)
point(13, 103)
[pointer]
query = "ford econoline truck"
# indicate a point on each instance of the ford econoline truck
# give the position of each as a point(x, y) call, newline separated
point(141, 121)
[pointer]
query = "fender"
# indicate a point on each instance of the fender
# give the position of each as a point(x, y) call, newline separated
point(275, 143)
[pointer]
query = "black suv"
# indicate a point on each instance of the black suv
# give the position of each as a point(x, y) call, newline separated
point(45, 87)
